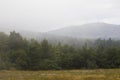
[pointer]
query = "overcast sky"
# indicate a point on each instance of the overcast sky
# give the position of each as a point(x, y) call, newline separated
point(46, 15)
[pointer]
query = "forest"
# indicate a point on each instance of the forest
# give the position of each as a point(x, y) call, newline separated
point(20, 53)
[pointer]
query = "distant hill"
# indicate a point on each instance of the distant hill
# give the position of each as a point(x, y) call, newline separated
point(73, 35)
point(53, 39)
point(90, 31)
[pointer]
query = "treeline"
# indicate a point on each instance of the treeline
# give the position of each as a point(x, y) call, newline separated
point(19, 53)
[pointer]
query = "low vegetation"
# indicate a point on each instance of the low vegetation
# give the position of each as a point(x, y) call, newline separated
point(100, 74)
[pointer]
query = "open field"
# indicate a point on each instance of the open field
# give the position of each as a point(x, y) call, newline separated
point(100, 74)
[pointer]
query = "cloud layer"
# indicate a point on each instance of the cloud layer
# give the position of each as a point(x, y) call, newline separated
point(45, 15)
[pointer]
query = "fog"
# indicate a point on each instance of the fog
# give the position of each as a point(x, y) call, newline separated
point(46, 15)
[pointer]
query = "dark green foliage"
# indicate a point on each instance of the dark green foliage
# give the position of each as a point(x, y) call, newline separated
point(18, 58)
point(112, 57)
point(3, 42)
point(22, 54)
point(15, 40)
point(45, 50)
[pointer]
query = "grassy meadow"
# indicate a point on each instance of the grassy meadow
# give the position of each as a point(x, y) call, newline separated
point(98, 74)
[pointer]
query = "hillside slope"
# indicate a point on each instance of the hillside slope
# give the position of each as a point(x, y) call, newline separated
point(91, 30)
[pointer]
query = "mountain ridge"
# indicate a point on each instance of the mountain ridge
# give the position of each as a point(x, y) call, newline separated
point(90, 30)
point(85, 31)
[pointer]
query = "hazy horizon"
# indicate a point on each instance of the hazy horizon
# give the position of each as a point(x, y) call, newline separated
point(46, 15)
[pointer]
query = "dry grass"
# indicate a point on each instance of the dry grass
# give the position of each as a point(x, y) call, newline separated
point(101, 74)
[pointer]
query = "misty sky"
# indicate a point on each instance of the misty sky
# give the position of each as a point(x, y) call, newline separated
point(45, 15)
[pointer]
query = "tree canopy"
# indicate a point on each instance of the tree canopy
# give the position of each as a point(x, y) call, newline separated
point(19, 53)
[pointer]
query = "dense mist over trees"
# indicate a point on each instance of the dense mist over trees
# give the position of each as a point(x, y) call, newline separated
point(18, 53)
